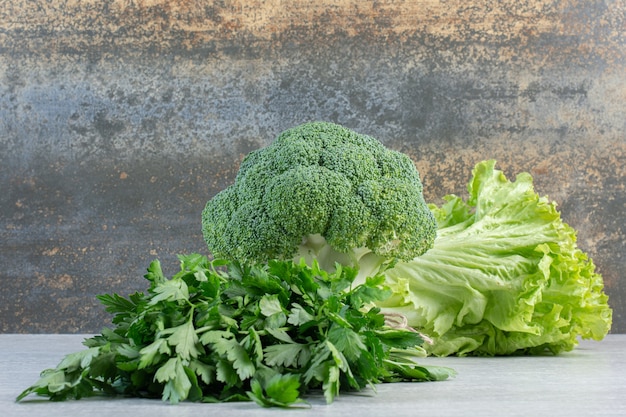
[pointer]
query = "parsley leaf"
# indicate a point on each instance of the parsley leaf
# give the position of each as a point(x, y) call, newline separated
point(280, 390)
point(185, 339)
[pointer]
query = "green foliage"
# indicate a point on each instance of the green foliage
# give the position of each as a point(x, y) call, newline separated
point(325, 181)
point(223, 331)
point(504, 276)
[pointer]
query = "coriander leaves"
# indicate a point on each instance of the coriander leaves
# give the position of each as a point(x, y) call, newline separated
point(223, 331)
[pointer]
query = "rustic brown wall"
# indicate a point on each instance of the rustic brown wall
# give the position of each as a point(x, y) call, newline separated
point(119, 119)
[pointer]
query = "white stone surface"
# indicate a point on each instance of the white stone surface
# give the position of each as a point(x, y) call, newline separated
point(589, 381)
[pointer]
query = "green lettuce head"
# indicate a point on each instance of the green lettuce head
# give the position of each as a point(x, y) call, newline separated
point(504, 276)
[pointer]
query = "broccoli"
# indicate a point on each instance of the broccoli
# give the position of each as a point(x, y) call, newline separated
point(321, 191)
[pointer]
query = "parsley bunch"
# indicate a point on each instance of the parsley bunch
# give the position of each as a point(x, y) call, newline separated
point(224, 331)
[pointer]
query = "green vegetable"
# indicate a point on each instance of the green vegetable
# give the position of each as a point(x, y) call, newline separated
point(504, 276)
point(498, 274)
point(322, 192)
point(328, 238)
point(224, 331)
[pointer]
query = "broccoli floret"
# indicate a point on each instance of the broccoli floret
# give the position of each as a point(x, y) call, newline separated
point(321, 191)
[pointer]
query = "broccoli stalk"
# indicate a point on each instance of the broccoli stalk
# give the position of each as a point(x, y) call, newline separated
point(324, 192)
point(316, 248)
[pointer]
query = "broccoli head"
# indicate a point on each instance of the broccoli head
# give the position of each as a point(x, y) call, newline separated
point(320, 188)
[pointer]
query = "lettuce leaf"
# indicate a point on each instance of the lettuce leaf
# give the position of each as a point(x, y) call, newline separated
point(505, 275)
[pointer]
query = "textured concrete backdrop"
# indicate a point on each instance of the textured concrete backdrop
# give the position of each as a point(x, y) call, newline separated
point(120, 118)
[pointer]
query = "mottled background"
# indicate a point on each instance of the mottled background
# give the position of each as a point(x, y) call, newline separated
point(120, 118)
